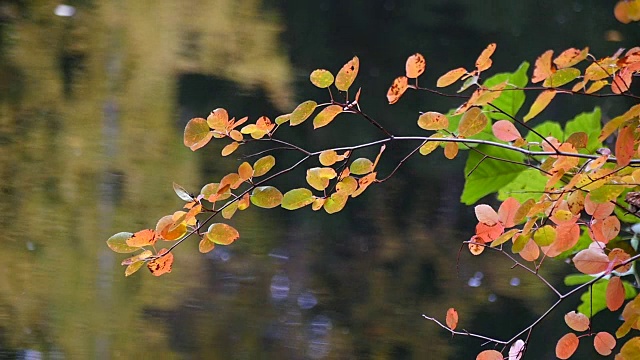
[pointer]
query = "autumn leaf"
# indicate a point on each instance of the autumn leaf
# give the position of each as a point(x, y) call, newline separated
point(541, 102)
point(489, 355)
point(486, 215)
point(263, 165)
point(197, 134)
point(484, 60)
point(433, 121)
point(229, 149)
point(577, 321)
point(545, 235)
point(561, 77)
point(472, 122)
point(451, 150)
point(319, 178)
point(476, 245)
point(161, 265)
point(222, 234)
point(302, 112)
point(452, 318)
point(505, 130)
point(266, 197)
point(604, 343)
point(297, 198)
point(615, 293)
point(118, 243)
point(567, 345)
point(450, 77)
point(570, 57)
point(326, 116)
point(347, 75)
point(591, 261)
point(415, 65)
point(361, 166)
point(543, 67)
point(321, 78)
point(398, 87)
point(142, 238)
point(624, 146)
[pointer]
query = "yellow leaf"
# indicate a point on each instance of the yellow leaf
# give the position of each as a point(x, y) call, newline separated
point(540, 103)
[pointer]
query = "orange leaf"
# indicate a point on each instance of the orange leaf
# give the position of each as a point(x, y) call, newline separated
point(567, 236)
point(451, 150)
point(415, 65)
point(591, 261)
point(161, 265)
point(488, 233)
point(245, 171)
point(571, 57)
point(543, 68)
point(486, 215)
point(606, 229)
point(617, 256)
point(450, 77)
point(598, 210)
point(484, 60)
point(452, 318)
point(433, 121)
point(624, 146)
point(142, 238)
point(531, 251)
point(476, 245)
point(229, 149)
point(577, 321)
point(206, 245)
point(472, 122)
point(507, 212)
point(505, 130)
point(218, 120)
point(326, 116)
point(622, 81)
point(604, 343)
point(615, 293)
point(399, 86)
point(540, 104)
point(567, 345)
point(489, 355)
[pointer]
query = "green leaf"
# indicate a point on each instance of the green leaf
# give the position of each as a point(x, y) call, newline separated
point(594, 299)
point(266, 197)
point(326, 116)
point(302, 112)
point(197, 134)
point(222, 234)
point(263, 165)
point(577, 279)
point(321, 78)
point(297, 198)
point(490, 175)
point(606, 193)
point(118, 243)
point(510, 101)
point(529, 184)
point(561, 77)
point(282, 119)
point(590, 123)
point(361, 166)
point(545, 235)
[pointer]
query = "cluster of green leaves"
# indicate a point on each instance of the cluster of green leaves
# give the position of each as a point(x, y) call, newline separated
point(563, 193)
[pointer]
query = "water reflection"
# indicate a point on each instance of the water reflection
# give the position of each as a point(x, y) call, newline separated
point(94, 97)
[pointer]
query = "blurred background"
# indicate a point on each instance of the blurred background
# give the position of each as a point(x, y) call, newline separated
point(94, 96)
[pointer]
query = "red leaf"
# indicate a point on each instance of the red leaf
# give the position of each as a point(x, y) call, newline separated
point(577, 321)
point(507, 212)
point(567, 345)
point(624, 146)
point(604, 343)
point(591, 261)
point(505, 130)
point(615, 294)
point(489, 355)
point(452, 318)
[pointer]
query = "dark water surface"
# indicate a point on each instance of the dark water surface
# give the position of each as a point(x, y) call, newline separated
point(93, 101)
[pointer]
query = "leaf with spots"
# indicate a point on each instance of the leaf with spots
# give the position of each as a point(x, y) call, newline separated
point(347, 75)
